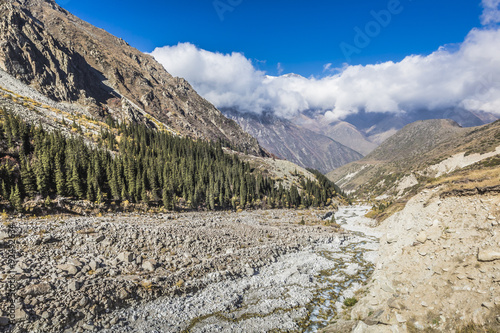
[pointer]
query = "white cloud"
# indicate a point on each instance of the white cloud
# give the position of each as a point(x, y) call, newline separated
point(491, 13)
point(467, 76)
point(279, 68)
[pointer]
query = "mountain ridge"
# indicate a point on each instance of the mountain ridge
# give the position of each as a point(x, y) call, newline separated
point(413, 156)
point(64, 57)
point(297, 144)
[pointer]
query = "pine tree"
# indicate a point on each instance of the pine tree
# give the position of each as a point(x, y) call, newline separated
point(15, 199)
point(60, 177)
point(243, 192)
point(27, 177)
point(76, 182)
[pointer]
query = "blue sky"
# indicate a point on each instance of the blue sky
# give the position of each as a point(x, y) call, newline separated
point(392, 56)
point(300, 35)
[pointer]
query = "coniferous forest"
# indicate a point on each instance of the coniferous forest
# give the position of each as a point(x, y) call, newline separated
point(140, 165)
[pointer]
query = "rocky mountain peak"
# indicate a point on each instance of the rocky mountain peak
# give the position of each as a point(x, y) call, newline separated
point(69, 60)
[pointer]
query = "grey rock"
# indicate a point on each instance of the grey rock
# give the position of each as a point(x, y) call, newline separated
point(46, 315)
point(126, 257)
point(360, 328)
point(422, 237)
point(74, 285)
point(3, 235)
point(83, 301)
point(20, 315)
point(149, 265)
point(391, 238)
point(100, 238)
point(4, 321)
point(123, 294)
point(69, 268)
point(93, 265)
point(37, 289)
point(88, 327)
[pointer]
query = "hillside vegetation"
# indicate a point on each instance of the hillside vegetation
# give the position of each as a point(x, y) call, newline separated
point(135, 164)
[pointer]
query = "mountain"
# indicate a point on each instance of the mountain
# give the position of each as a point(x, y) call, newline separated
point(69, 60)
point(417, 154)
point(379, 126)
point(340, 131)
point(294, 143)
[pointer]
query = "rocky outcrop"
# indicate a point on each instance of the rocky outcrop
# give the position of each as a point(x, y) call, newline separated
point(70, 60)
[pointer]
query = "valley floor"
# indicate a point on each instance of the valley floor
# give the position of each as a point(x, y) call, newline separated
point(281, 269)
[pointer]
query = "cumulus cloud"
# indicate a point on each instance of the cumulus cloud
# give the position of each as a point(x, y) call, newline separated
point(491, 13)
point(467, 77)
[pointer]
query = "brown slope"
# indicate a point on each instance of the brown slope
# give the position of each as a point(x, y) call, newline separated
point(411, 152)
point(70, 60)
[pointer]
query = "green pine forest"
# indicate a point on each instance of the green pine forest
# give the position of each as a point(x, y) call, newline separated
point(139, 165)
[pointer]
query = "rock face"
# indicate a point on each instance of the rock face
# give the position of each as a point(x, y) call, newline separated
point(293, 142)
point(488, 254)
point(70, 60)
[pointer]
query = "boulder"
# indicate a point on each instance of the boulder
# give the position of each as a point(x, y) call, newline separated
point(69, 268)
point(37, 289)
point(20, 315)
point(4, 235)
point(126, 257)
point(391, 238)
point(422, 237)
point(149, 265)
point(93, 265)
point(488, 255)
point(74, 285)
point(123, 294)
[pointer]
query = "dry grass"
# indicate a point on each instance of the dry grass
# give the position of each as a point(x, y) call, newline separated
point(468, 179)
point(382, 215)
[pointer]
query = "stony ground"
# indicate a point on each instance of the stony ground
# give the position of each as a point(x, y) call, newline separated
point(299, 292)
point(72, 272)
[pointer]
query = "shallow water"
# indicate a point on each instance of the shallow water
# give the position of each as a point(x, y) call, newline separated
point(329, 301)
point(301, 292)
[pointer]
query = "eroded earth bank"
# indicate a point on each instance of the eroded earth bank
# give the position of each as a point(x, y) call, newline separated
point(439, 268)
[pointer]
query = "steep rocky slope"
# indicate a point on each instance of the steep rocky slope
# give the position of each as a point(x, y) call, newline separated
point(294, 143)
point(70, 60)
point(340, 131)
point(415, 155)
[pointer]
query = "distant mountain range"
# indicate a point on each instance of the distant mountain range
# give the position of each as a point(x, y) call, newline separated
point(311, 140)
point(293, 142)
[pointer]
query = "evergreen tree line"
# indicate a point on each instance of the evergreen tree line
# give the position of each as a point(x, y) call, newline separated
point(138, 164)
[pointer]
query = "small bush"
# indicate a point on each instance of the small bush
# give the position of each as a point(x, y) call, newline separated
point(350, 302)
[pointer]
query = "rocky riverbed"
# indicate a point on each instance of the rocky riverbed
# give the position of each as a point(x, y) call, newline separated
point(301, 291)
point(202, 272)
